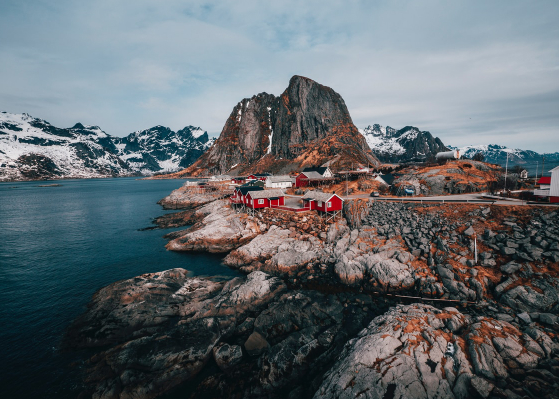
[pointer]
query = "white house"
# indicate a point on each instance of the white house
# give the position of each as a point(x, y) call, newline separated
point(554, 186)
point(549, 186)
point(279, 182)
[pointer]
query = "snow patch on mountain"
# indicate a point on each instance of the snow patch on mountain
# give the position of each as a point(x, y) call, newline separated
point(32, 148)
point(407, 144)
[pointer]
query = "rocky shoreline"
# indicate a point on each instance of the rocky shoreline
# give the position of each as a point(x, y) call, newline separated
point(387, 302)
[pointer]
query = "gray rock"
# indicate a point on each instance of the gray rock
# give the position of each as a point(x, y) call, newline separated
point(508, 251)
point(525, 317)
point(445, 273)
point(227, 356)
point(481, 386)
point(469, 231)
point(510, 267)
point(548, 318)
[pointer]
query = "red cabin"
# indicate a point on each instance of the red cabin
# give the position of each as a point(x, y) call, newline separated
point(258, 176)
point(240, 194)
point(265, 199)
point(238, 180)
point(323, 202)
point(314, 177)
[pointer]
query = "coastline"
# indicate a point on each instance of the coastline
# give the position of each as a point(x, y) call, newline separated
point(312, 287)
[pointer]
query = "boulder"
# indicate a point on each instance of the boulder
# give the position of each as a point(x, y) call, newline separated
point(256, 344)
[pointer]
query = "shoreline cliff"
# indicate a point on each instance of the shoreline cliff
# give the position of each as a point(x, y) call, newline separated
point(331, 309)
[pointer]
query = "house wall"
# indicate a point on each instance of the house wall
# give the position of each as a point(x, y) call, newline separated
point(285, 184)
point(253, 203)
point(554, 187)
point(299, 182)
point(336, 204)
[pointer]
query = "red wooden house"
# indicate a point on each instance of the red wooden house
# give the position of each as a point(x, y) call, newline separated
point(240, 193)
point(238, 180)
point(258, 176)
point(265, 199)
point(314, 177)
point(324, 202)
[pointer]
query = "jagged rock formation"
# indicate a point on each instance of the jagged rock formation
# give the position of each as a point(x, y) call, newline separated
point(307, 125)
point(157, 331)
point(160, 149)
point(32, 148)
point(418, 351)
point(407, 144)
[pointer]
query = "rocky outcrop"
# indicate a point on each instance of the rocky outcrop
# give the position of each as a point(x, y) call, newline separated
point(308, 125)
point(418, 351)
point(455, 177)
point(221, 231)
point(245, 138)
point(186, 197)
point(253, 336)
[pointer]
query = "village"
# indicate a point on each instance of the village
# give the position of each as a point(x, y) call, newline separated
point(323, 190)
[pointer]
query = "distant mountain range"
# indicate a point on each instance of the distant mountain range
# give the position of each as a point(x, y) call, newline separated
point(31, 148)
point(404, 145)
point(497, 154)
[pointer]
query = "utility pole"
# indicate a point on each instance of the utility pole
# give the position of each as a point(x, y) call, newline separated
point(537, 167)
point(543, 163)
point(346, 189)
point(506, 171)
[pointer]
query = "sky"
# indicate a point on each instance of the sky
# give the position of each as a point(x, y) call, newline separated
point(470, 72)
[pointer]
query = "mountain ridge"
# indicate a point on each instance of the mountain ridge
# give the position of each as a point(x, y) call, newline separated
point(31, 148)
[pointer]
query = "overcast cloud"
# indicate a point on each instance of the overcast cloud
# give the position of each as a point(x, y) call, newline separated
point(471, 72)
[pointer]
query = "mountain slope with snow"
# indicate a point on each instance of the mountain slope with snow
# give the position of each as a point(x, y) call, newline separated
point(160, 149)
point(407, 144)
point(32, 148)
point(497, 154)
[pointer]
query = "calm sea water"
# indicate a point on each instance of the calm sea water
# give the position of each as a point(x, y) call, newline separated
point(58, 245)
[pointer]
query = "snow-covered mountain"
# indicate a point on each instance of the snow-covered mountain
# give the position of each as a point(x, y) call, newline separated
point(32, 148)
point(160, 149)
point(407, 144)
point(497, 154)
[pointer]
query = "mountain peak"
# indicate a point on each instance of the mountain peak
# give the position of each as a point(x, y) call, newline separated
point(307, 125)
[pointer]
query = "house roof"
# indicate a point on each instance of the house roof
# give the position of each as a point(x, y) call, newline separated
point(554, 169)
point(321, 170)
point(545, 180)
point(261, 174)
point(275, 192)
point(315, 176)
point(279, 179)
point(245, 189)
point(319, 196)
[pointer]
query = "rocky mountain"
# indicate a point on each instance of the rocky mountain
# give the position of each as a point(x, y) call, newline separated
point(407, 144)
point(32, 148)
point(497, 154)
point(161, 149)
point(307, 125)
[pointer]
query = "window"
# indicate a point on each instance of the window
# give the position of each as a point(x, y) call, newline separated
point(319, 203)
point(260, 201)
point(328, 205)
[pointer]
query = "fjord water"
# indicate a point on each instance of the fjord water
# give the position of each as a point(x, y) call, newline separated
point(58, 245)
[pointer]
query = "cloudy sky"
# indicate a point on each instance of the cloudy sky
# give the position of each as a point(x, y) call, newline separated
point(471, 72)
